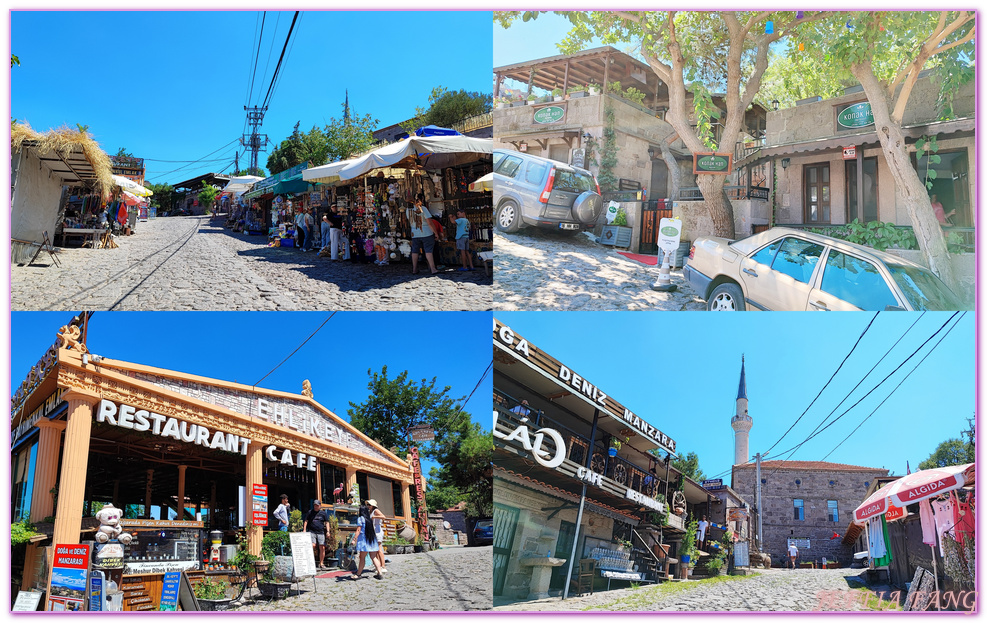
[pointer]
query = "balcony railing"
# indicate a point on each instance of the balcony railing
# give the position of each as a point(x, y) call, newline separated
point(474, 123)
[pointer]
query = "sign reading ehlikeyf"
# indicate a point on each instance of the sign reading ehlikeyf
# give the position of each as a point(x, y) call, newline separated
point(520, 348)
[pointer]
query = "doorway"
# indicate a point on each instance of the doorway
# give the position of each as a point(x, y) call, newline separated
point(659, 180)
point(869, 211)
point(816, 192)
point(563, 549)
point(951, 185)
point(505, 525)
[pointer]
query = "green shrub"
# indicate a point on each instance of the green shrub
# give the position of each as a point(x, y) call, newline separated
point(210, 589)
point(21, 532)
point(275, 544)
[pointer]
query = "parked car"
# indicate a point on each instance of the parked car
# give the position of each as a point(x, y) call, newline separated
point(791, 270)
point(533, 191)
point(483, 532)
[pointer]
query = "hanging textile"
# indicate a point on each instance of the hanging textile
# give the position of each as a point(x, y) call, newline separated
point(885, 559)
point(944, 518)
point(928, 523)
point(876, 546)
point(964, 525)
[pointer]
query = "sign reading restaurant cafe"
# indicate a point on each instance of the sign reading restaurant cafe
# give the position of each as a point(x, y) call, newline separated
point(553, 368)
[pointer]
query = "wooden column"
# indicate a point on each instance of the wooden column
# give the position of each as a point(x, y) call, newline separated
point(148, 481)
point(350, 480)
point(116, 493)
point(181, 492)
point(406, 502)
point(565, 80)
point(46, 468)
point(212, 504)
point(497, 82)
point(75, 463)
point(255, 476)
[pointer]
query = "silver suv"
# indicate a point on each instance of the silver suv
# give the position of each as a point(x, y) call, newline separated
point(530, 190)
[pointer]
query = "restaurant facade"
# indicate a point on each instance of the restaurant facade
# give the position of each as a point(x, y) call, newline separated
point(574, 484)
point(183, 456)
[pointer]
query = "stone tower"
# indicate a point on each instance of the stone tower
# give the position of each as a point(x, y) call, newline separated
point(741, 423)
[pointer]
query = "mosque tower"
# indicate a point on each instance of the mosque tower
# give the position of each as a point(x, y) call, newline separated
point(741, 423)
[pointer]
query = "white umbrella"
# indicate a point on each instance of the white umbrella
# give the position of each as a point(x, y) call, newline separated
point(327, 173)
point(131, 186)
point(483, 184)
point(414, 148)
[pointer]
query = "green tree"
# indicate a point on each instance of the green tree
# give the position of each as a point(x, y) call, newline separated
point(164, 196)
point(724, 51)
point(792, 76)
point(258, 172)
point(688, 464)
point(347, 137)
point(123, 153)
point(954, 451)
point(207, 195)
point(447, 108)
point(299, 147)
point(885, 51)
point(463, 450)
point(14, 60)
point(440, 495)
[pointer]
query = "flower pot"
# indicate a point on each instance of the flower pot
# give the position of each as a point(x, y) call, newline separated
point(501, 105)
point(418, 549)
point(262, 566)
point(426, 547)
point(557, 98)
point(612, 451)
point(407, 533)
point(594, 91)
point(391, 549)
point(274, 590)
point(215, 605)
point(577, 94)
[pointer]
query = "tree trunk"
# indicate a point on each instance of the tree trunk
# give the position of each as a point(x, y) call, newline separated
point(717, 206)
point(909, 185)
point(674, 172)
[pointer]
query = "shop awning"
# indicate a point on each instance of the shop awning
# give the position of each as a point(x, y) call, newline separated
point(327, 173)
point(131, 186)
point(241, 183)
point(420, 152)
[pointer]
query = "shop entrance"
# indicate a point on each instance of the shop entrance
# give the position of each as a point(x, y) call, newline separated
point(563, 549)
point(505, 524)
point(869, 211)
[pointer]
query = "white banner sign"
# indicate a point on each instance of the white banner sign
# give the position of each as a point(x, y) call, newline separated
point(669, 234)
point(612, 208)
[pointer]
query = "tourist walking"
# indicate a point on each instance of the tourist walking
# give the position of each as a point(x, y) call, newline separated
point(378, 518)
point(793, 554)
point(281, 513)
point(309, 230)
point(317, 525)
point(326, 231)
point(463, 239)
point(301, 233)
point(366, 542)
point(336, 239)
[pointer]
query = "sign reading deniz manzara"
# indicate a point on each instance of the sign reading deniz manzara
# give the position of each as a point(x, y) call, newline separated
point(522, 348)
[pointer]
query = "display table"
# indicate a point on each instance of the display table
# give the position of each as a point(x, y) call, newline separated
point(88, 235)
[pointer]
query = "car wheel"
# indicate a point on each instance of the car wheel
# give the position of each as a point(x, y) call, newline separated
point(726, 297)
point(587, 207)
point(508, 217)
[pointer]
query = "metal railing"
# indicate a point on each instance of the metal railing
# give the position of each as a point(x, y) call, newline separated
point(474, 123)
point(733, 192)
point(743, 149)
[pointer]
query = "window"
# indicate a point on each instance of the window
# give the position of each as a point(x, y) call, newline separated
point(767, 254)
point(815, 183)
point(23, 481)
point(922, 289)
point(797, 258)
point(573, 181)
point(509, 166)
point(857, 282)
point(398, 497)
point(869, 213)
point(833, 510)
point(534, 173)
point(799, 510)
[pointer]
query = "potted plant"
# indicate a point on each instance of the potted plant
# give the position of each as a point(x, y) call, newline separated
point(502, 102)
point(617, 233)
point(516, 101)
point(614, 446)
point(614, 87)
point(576, 91)
point(688, 548)
point(593, 88)
point(211, 594)
point(532, 98)
point(557, 94)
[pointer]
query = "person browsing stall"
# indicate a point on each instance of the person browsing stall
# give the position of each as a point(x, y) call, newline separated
point(422, 235)
point(463, 238)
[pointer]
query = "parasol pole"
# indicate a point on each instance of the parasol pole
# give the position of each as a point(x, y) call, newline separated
point(870, 557)
point(935, 572)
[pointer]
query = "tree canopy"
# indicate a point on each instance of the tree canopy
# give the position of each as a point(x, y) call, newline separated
point(207, 195)
point(163, 197)
point(954, 451)
point(688, 464)
point(447, 108)
point(299, 147)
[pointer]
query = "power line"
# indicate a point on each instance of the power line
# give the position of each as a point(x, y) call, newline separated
point(297, 349)
point(277, 69)
point(278, 77)
point(485, 373)
point(250, 88)
point(900, 383)
point(840, 367)
point(200, 159)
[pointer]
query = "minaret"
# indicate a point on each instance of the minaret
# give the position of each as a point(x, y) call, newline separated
point(741, 423)
point(346, 108)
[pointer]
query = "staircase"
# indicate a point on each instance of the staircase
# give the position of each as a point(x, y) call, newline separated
point(650, 565)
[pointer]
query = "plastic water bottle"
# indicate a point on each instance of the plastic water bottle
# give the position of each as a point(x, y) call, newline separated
point(549, 554)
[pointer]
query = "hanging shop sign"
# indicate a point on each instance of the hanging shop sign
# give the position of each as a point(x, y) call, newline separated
point(506, 337)
point(712, 484)
point(549, 114)
point(522, 436)
point(854, 116)
point(69, 572)
point(644, 500)
point(422, 432)
point(285, 456)
point(126, 416)
point(736, 514)
point(259, 499)
point(712, 163)
point(850, 153)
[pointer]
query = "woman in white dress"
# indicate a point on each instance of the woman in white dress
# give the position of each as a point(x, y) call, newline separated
point(378, 518)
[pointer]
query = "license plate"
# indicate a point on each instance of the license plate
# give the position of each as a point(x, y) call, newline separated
point(568, 226)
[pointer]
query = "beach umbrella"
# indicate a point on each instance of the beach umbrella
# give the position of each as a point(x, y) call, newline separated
point(483, 184)
point(913, 488)
point(131, 186)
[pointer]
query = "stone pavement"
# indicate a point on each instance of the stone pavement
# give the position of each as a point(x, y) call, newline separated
point(193, 263)
point(770, 590)
point(451, 578)
point(549, 270)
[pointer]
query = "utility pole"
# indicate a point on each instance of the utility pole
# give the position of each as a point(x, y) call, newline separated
point(236, 162)
point(757, 497)
point(254, 142)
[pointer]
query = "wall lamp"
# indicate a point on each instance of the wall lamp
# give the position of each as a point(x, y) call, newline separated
point(785, 162)
point(651, 153)
point(775, 104)
point(587, 136)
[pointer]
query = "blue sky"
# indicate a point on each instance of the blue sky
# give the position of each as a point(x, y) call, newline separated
point(245, 346)
point(680, 372)
point(171, 85)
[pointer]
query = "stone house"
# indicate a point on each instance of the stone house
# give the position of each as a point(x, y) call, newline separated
point(808, 502)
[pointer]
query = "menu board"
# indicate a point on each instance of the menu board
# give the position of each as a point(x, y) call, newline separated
point(169, 591)
point(27, 601)
point(302, 555)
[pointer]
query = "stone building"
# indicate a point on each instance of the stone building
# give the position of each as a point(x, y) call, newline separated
point(808, 502)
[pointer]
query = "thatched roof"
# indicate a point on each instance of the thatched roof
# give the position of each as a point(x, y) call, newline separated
point(72, 155)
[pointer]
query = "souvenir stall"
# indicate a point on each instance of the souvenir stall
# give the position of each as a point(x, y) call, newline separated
point(271, 204)
point(373, 192)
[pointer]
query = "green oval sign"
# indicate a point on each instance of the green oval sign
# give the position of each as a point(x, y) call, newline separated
point(549, 114)
point(669, 231)
point(856, 116)
point(713, 163)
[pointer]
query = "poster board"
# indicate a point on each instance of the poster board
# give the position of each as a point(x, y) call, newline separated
point(169, 591)
point(741, 554)
point(186, 597)
point(259, 497)
point(69, 575)
point(27, 601)
point(302, 555)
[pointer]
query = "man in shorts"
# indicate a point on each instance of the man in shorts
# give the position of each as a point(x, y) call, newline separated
point(793, 554)
point(463, 239)
point(317, 525)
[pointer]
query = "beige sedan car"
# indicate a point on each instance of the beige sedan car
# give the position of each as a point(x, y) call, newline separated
point(792, 270)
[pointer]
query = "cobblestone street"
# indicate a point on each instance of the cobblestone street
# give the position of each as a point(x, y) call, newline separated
point(799, 590)
point(193, 263)
point(560, 271)
point(451, 578)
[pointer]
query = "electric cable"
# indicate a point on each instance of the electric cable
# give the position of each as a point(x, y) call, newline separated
point(277, 69)
point(250, 89)
point(297, 349)
point(478, 383)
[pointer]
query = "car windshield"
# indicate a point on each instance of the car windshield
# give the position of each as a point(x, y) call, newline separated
point(572, 181)
point(923, 290)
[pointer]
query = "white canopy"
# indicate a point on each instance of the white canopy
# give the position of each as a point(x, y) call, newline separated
point(131, 186)
point(327, 173)
point(241, 183)
point(420, 149)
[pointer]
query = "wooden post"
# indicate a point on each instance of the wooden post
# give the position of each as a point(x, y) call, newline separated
point(255, 476)
point(406, 501)
point(46, 468)
point(350, 480)
point(565, 80)
point(180, 506)
point(319, 493)
point(148, 481)
point(75, 463)
point(212, 504)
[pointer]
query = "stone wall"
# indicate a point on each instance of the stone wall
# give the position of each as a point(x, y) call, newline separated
point(459, 528)
point(815, 488)
point(694, 218)
point(34, 207)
